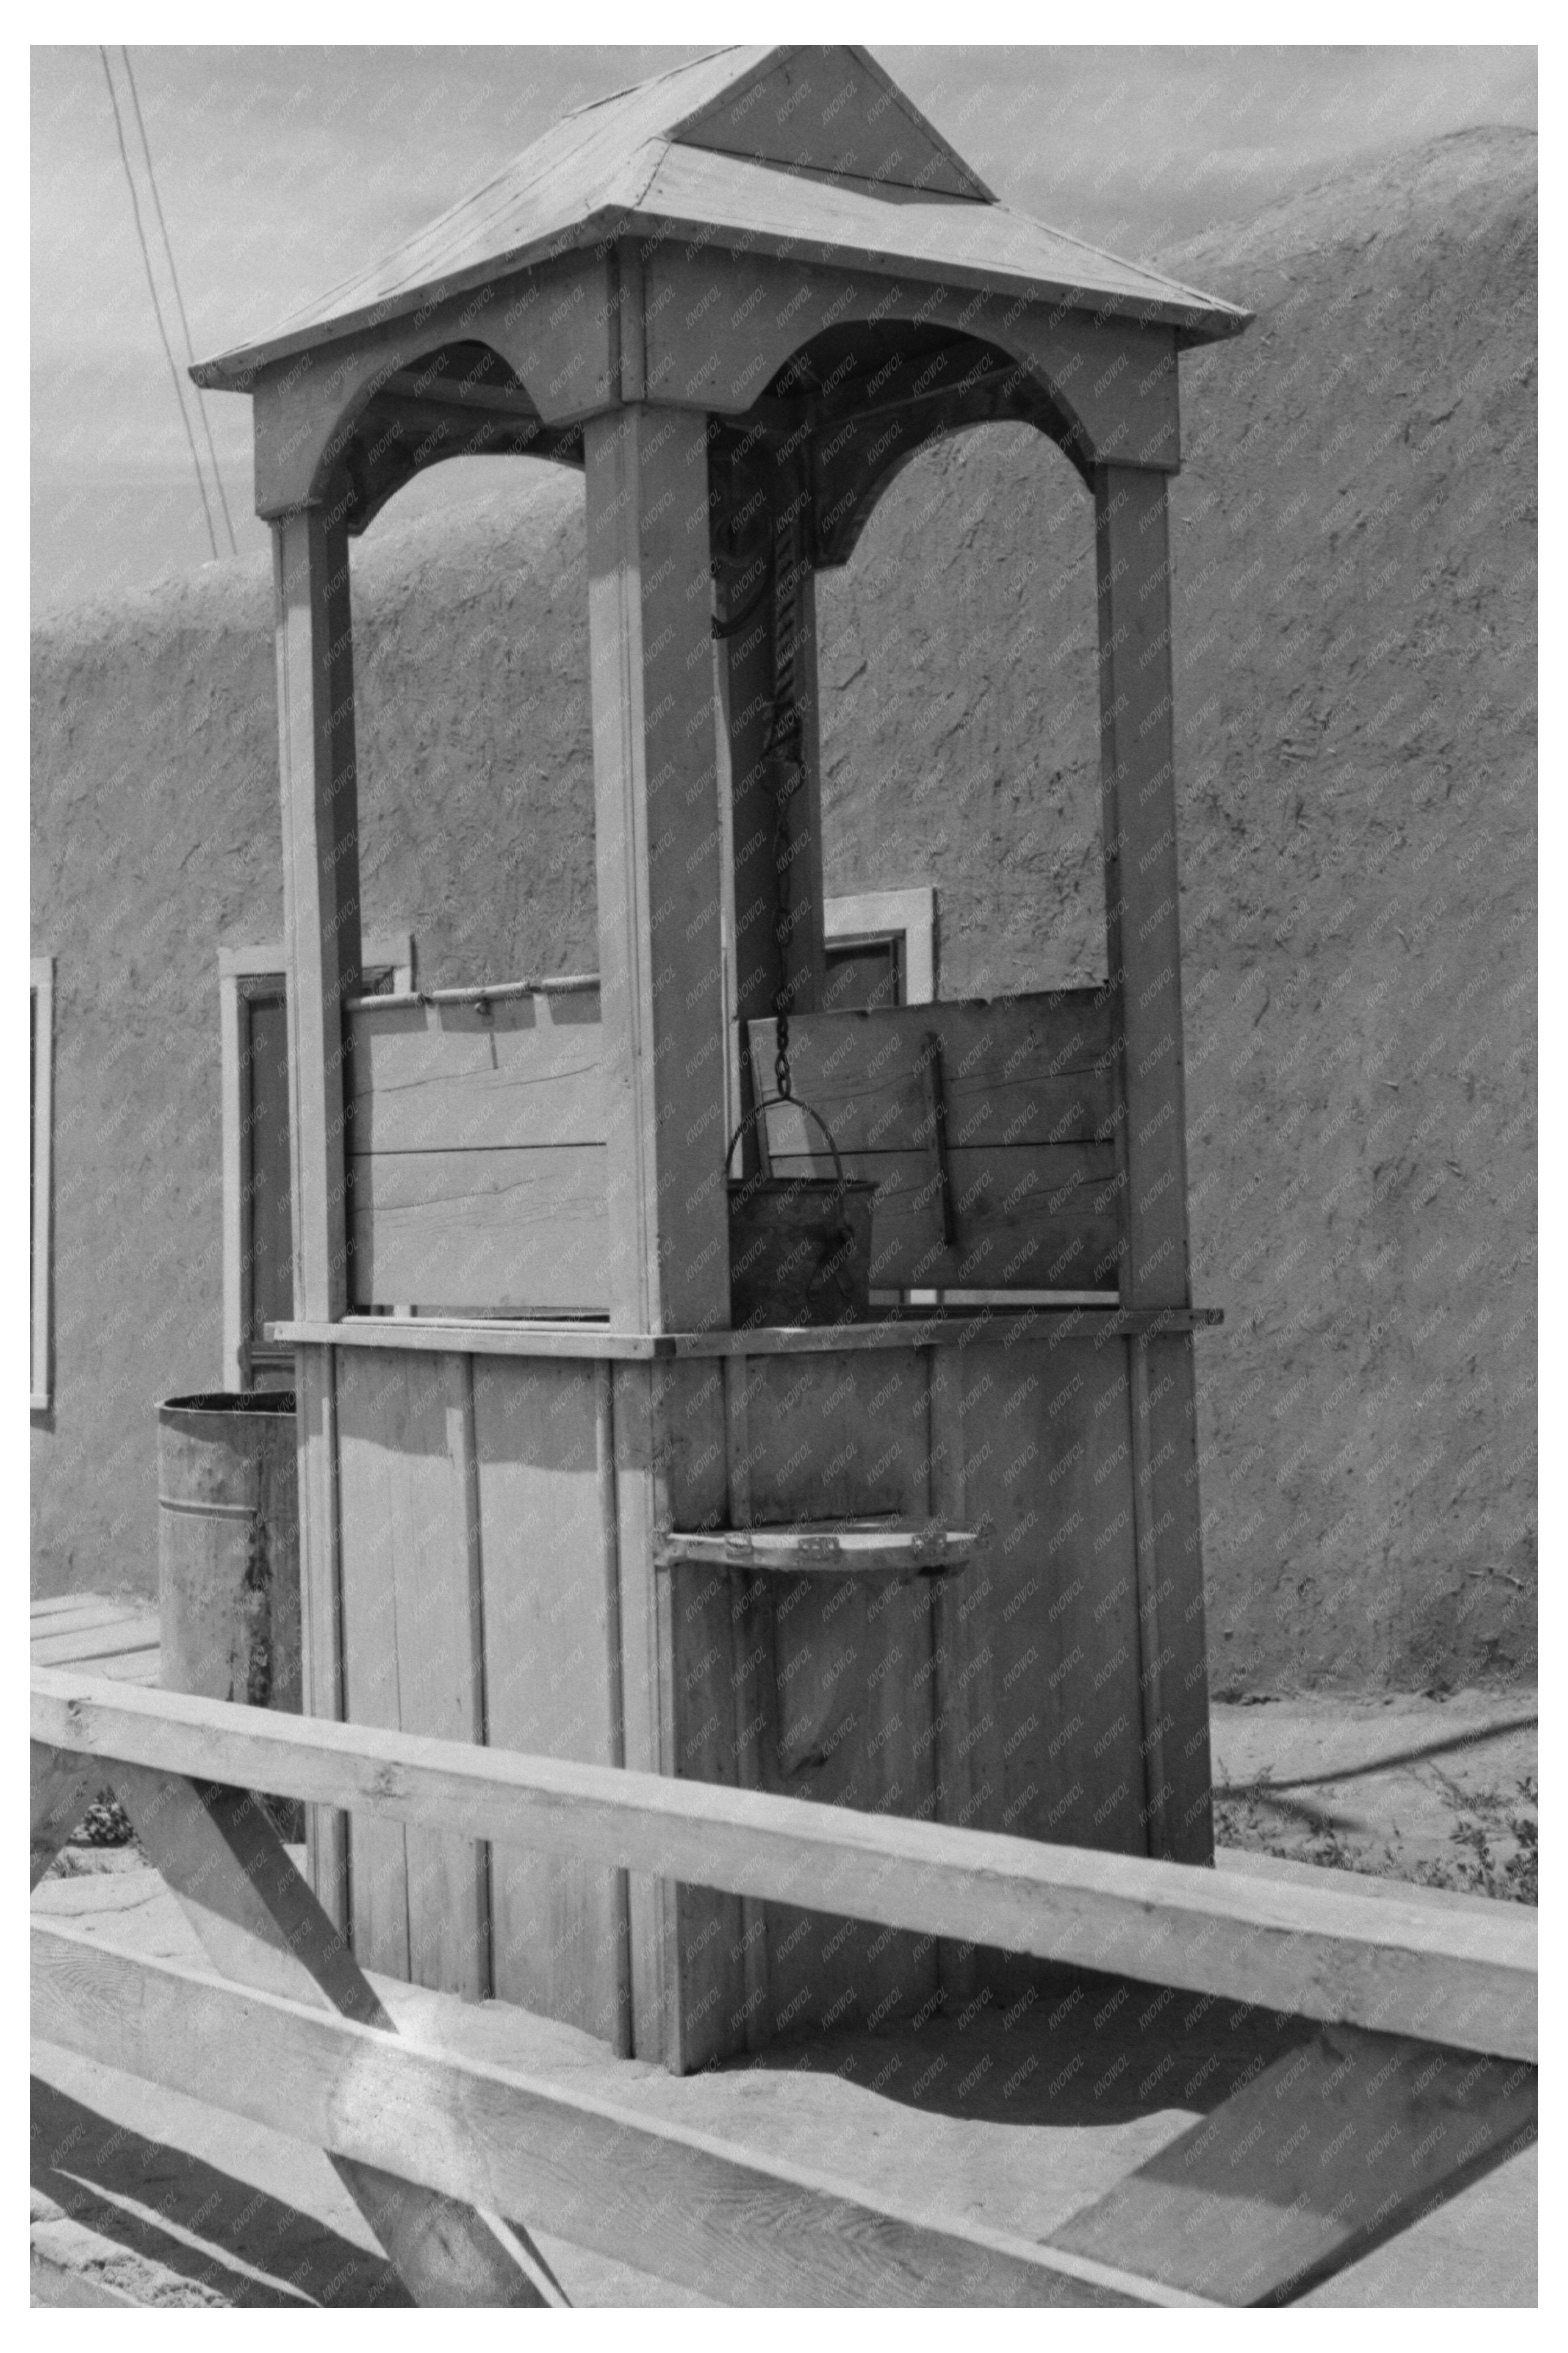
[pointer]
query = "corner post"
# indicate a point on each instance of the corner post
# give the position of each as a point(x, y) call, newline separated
point(320, 885)
point(321, 933)
point(657, 851)
point(1143, 949)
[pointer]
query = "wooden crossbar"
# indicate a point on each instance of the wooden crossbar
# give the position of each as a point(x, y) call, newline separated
point(1445, 1976)
point(682, 2204)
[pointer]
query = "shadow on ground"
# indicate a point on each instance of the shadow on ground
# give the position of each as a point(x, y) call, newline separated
point(161, 2206)
point(1075, 2049)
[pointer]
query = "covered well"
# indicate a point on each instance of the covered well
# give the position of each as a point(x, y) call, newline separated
point(740, 297)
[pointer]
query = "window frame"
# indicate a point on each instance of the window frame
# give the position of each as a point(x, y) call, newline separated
point(41, 1014)
point(869, 918)
point(244, 973)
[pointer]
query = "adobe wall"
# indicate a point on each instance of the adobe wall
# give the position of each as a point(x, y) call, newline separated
point(1353, 531)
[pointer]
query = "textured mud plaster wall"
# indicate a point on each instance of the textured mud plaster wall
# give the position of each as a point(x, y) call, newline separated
point(1354, 543)
point(1354, 538)
point(1355, 531)
point(156, 838)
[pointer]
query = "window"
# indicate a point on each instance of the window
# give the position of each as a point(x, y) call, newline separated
point(41, 1117)
point(258, 1173)
point(880, 948)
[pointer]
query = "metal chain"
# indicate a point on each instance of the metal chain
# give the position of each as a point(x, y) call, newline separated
point(784, 741)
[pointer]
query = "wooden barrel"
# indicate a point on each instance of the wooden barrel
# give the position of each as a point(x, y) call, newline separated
point(228, 1548)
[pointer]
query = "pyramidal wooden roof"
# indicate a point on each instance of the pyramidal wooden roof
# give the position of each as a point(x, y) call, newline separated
point(812, 153)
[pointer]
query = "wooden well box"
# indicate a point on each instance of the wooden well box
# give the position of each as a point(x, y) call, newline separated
point(944, 1562)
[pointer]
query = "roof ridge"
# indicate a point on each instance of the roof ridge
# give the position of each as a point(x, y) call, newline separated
point(631, 88)
point(596, 169)
point(1124, 261)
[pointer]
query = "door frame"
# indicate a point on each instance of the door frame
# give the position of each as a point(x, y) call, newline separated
point(244, 973)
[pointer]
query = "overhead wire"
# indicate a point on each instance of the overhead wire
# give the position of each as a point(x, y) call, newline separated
point(179, 298)
point(157, 308)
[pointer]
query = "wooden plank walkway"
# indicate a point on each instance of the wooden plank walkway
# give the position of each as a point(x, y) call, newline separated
point(119, 1638)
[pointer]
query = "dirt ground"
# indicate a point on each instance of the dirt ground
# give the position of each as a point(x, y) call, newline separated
point(143, 2197)
point(1446, 1794)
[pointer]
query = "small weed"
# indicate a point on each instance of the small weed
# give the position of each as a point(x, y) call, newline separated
point(1492, 1841)
point(105, 1823)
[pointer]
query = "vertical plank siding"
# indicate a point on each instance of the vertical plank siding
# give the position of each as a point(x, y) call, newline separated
point(412, 1647)
point(548, 1690)
point(633, 1409)
point(498, 1519)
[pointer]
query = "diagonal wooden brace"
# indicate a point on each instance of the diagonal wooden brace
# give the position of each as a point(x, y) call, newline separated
point(1317, 2160)
point(63, 1786)
point(261, 1926)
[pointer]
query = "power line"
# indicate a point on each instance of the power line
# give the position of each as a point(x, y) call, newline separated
point(179, 298)
point(157, 310)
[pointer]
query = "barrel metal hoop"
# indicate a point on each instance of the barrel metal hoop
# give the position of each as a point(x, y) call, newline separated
point(208, 1511)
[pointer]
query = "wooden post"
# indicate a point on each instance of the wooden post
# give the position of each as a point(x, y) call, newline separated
point(658, 841)
point(320, 884)
point(751, 656)
point(321, 932)
point(1143, 947)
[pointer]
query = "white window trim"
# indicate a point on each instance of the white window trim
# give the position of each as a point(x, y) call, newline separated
point(866, 917)
point(389, 951)
point(42, 988)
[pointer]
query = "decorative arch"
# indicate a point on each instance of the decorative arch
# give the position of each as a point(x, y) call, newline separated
point(1103, 386)
point(849, 409)
point(515, 369)
point(460, 399)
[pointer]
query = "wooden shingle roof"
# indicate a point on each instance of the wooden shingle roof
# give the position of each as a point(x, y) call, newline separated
point(811, 154)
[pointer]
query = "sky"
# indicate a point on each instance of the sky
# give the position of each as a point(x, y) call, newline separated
point(279, 170)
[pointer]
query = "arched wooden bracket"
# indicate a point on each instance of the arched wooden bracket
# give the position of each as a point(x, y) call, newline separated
point(822, 1548)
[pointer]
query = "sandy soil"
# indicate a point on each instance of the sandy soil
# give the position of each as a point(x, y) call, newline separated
point(1441, 1791)
point(144, 2196)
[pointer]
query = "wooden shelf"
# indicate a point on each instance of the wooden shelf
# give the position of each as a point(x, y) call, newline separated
point(909, 1328)
point(822, 1548)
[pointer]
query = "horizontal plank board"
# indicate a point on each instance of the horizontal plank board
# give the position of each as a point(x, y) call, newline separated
point(109, 1641)
point(503, 1228)
point(1246, 1863)
point(1027, 1216)
point(75, 1609)
point(453, 1078)
point(1023, 1071)
point(133, 1667)
point(1328, 1953)
point(680, 2204)
point(1362, 2133)
point(1008, 1326)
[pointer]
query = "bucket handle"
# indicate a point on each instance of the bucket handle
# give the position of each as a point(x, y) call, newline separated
point(755, 1113)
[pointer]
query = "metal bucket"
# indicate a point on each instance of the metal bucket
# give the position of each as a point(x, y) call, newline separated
point(800, 1247)
point(228, 1548)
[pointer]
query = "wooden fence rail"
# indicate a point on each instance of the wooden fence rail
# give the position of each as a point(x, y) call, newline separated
point(1446, 1975)
point(676, 2203)
point(447, 2150)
